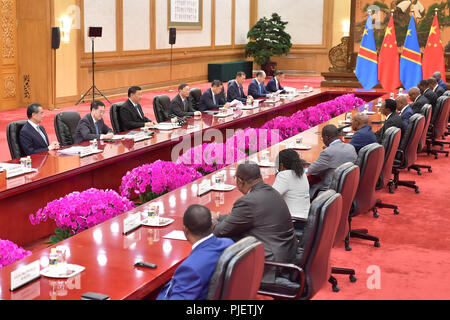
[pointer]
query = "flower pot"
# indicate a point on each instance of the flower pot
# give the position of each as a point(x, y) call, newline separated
point(269, 68)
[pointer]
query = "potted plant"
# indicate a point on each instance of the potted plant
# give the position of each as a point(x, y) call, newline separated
point(267, 38)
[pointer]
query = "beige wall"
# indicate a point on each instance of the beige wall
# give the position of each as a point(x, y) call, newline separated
point(341, 12)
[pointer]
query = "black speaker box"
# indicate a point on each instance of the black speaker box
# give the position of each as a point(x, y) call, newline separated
point(56, 38)
point(172, 35)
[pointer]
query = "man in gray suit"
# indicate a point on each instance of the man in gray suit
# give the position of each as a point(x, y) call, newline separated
point(336, 154)
point(263, 214)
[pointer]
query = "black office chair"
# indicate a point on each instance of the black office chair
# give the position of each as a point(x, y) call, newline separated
point(312, 269)
point(426, 111)
point(407, 152)
point(194, 97)
point(391, 141)
point(65, 127)
point(370, 162)
point(238, 272)
point(438, 126)
point(161, 107)
point(12, 135)
point(345, 182)
point(114, 115)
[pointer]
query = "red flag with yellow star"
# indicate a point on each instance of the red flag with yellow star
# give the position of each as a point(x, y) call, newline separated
point(433, 57)
point(388, 62)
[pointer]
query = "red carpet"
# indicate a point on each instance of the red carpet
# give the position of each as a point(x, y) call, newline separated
point(146, 102)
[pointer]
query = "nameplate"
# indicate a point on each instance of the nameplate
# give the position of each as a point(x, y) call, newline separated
point(140, 137)
point(14, 171)
point(87, 152)
point(131, 223)
point(25, 275)
point(204, 187)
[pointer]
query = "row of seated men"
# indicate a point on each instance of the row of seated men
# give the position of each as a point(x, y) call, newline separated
point(34, 139)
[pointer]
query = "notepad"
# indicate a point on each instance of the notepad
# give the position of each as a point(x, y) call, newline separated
point(176, 235)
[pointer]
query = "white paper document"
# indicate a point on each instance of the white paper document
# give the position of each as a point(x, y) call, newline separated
point(72, 151)
point(176, 235)
point(236, 103)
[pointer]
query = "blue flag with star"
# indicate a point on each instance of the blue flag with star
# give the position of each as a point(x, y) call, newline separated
point(367, 62)
point(411, 59)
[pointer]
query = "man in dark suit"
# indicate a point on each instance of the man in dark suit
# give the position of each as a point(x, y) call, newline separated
point(257, 89)
point(131, 114)
point(274, 84)
point(212, 98)
point(438, 76)
point(192, 277)
point(404, 109)
point(418, 99)
point(180, 105)
point(435, 87)
point(425, 90)
point(92, 125)
point(236, 89)
point(334, 155)
point(263, 214)
point(389, 109)
point(363, 132)
point(33, 137)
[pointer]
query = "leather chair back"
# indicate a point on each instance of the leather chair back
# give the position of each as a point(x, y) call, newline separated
point(194, 97)
point(426, 111)
point(345, 182)
point(161, 107)
point(114, 115)
point(217, 282)
point(65, 126)
point(441, 117)
point(391, 142)
point(12, 135)
point(370, 162)
point(410, 142)
point(244, 274)
point(317, 267)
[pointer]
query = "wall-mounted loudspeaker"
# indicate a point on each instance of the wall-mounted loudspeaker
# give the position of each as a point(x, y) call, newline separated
point(172, 35)
point(56, 38)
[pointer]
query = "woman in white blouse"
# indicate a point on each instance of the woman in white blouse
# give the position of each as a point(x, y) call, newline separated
point(292, 183)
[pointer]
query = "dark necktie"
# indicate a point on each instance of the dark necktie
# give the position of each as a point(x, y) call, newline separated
point(139, 112)
point(96, 128)
point(185, 104)
point(42, 135)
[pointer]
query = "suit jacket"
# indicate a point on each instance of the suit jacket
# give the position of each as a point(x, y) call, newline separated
point(234, 93)
point(130, 118)
point(431, 96)
point(363, 137)
point(332, 157)
point(263, 214)
point(443, 85)
point(86, 130)
point(179, 109)
point(31, 141)
point(257, 91)
point(207, 102)
point(406, 114)
point(439, 91)
point(273, 87)
point(419, 103)
point(394, 121)
point(192, 277)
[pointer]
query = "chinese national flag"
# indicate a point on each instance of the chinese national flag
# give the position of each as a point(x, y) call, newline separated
point(388, 62)
point(433, 57)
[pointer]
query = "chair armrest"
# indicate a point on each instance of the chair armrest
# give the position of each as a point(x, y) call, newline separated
point(289, 266)
point(295, 219)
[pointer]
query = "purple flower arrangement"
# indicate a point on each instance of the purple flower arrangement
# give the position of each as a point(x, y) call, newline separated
point(313, 116)
point(77, 211)
point(153, 180)
point(10, 253)
point(253, 140)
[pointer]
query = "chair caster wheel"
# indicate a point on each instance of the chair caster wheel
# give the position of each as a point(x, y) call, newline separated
point(377, 244)
point(396, 212)
point(430, 170)
point(376, 215)
point(336, 289)
point(417, 191)
point(419, 173)
point(348, 248)
point(391, 191)
point(352, 279)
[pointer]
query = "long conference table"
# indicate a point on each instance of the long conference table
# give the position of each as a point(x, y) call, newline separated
point(58, 175)
point(109, 256)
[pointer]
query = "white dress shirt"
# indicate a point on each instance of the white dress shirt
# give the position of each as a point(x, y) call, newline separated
point(295, 192)
point(201, 241)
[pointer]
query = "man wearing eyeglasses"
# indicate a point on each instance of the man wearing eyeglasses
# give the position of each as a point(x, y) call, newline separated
point(92, 125)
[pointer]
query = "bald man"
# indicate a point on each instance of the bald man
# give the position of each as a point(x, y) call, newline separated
point(363, 132)
point(404, 109)
point(418, 99)
point(438, 76)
